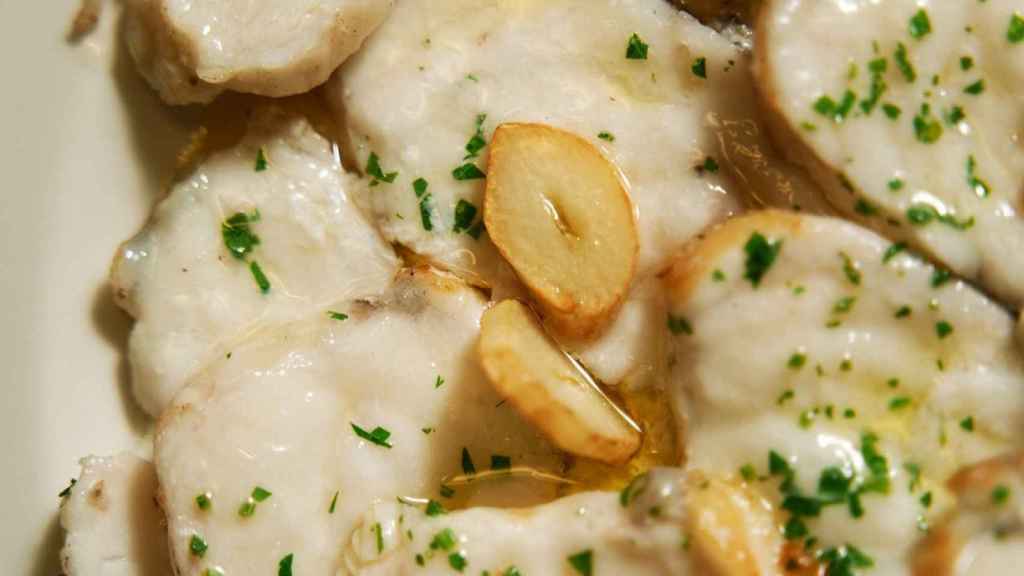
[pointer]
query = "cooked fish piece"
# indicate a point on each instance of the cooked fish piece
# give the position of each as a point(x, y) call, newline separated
point(369, 401)
point(843, 377)
point(985, 533)
point(275, 211)
point(910, 115)
point(664, 98)
point(112, 522)
point(190, 52)
point(656, 526)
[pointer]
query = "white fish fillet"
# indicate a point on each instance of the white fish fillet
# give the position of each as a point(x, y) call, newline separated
point(187, 292)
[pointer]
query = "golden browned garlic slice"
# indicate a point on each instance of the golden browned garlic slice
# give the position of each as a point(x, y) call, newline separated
point(549, 389)
point(558, 212)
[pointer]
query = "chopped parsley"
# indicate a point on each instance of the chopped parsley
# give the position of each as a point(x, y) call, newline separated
point(197, 546)
point(434, 508)
point(892, 111)
point(837, 111)
point(967, 424)
point(438, 382)
point(700, 67)
point(237, 233)
point(457, 560)
point(927, 128)
point(709, 165)
point(376, 172)
point(921, 214)
point(476, 142)
point(1000, 495)
point(337, 316)
point(899, 403)
point(636, 49)
point(467, 462)
point(248, 508)
point(583, 562)
point(955, 115)
point(903, 63)
point(261, 161)
point(1015, 33)
point(718, 276)
point(419, 187)
point(796, 361)
point(940, 276)
point(748, 472)
point(878, 86)
point(379, 534)
point(943, 329)
point(679, 325)
point(334, 503)
point(966, 63)
point(204, 501)
point(635, 488)
point(761, 254)
point(850, 269)
point(378, 436)
point(443, 540)
point(465, 213)
point(978, 185)
point(284, 567)
point(975, 88)
point(259, 276)
point(893, 250)
point(468, 171)
point(786, 396)
point(606, 136)
point(842, 561)
point(896, 184)
point(920, 25)
point(844, 305)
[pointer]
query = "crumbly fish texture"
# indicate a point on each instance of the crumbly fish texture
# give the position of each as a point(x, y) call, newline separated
point(910, 116)
point(842, 368)
point(113, 525)
point(329, 415)
point(278, 200)
point(190, 52)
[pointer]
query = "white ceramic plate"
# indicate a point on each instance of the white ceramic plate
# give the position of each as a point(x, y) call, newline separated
point(86, 149)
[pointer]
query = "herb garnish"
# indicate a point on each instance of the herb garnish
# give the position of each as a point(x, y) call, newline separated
point(378, 435)
point(636, 49)
point(376, 172)
point(761, 254)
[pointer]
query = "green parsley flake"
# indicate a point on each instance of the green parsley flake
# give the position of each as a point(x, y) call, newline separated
point(921, 214)
point(419, 187)
point(634, 489)
point(237, 233)
point(700, 67)
point(927, 128)
point(476, 142)
point(606, 136)
point(379, 534)
point(844, 305)
point(261, 161)
point(284, 567)
point(903, 63)
point(920, 25)
point(797, 361)
point(975, 88)
point(465, 213)
point(892, 111)
point(438, 382)
point(850, 269)
point(467, 462)
point(842, 561)
point(457, 560)
point(967, 424)
point(260, 277)
point(435, 508)
point(583, 562)
point(709, 165)
point(500, 462)
point(761, 254)
point(334, 503)
point(718, 276)
point(978, 185)
point(943, 329)
point(955, 115)
point(197, 546)
point(899, 403)
point(679, 325)
point(786, 396)
point(748, 472)
point(893, 250)
point(636, 49)
point(1000, 495)
point(204, 501)
point(337, 316)
point(376, 173)
point(966, 63)
point(837, 111)
point(1015, 33)
point(443, 540)
point(67, 491)
point(940, 276)
point(896, 184)
point(378, 436)
point(468, 171)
